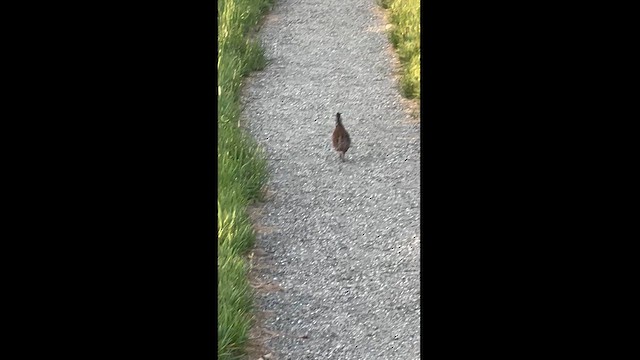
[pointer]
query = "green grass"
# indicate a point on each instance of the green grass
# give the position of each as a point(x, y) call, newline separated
point(241, 171)
point(404, 16)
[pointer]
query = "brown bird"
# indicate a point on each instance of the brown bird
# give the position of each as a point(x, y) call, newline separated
point(341, 140)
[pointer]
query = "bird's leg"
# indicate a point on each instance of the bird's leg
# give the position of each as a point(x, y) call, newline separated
point(342, 156)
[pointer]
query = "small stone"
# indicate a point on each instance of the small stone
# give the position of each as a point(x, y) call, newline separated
point(268, 356)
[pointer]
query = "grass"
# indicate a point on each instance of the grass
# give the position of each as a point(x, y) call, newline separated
point(241, 171)
point(404, 16)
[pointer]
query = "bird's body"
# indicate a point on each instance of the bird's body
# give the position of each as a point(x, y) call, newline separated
point(341, 139)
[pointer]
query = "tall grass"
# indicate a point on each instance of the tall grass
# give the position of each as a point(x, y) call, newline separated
point(241, 171)
point(404, 16)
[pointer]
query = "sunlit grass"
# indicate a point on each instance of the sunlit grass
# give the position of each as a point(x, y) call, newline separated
point(404, 16)
point(241, 171)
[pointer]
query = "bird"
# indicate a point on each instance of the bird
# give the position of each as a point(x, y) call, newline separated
point(341, 139)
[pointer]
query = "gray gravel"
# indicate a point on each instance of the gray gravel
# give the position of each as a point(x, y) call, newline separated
point(344, 239)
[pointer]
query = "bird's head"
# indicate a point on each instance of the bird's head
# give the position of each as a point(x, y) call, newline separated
point(338, 118)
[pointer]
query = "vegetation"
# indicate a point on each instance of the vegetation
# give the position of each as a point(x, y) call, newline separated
point(241, 171)
point(404, 16)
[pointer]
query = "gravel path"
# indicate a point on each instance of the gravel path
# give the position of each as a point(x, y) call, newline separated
point(342, 238)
